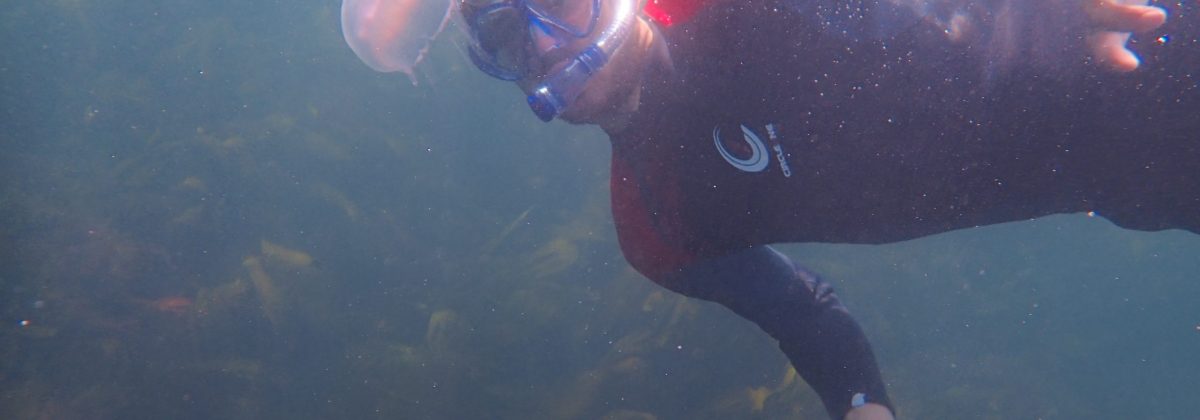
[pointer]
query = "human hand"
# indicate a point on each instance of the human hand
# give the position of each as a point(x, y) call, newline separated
point(870, 411)
point(1115, 21)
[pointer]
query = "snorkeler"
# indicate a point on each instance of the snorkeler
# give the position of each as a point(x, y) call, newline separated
point(738, 124)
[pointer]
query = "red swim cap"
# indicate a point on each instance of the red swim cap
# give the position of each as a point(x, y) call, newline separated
point(670, 12)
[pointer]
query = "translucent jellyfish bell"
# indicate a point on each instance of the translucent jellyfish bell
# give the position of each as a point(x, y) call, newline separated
point(393, 35)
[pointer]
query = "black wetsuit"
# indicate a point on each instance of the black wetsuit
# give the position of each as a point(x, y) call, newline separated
point(783, 123)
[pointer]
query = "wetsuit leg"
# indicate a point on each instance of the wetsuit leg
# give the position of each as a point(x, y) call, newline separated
point(794, 306)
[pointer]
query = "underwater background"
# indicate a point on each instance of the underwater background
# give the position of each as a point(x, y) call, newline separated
point(214, 210)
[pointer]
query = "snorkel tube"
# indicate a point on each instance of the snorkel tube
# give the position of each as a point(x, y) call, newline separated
point(551, 97)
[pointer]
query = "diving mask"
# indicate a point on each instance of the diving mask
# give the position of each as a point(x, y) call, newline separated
point(503, 36)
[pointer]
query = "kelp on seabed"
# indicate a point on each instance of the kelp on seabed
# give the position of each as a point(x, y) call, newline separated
point(205, 234)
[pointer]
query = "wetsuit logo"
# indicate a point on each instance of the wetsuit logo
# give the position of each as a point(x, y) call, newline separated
point(758, 151)
point(760, 157)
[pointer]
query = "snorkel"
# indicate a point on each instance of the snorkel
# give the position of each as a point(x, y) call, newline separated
point(552, 96)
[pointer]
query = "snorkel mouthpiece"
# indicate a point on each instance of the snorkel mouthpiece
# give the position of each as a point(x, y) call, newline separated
point(551, 97)
point(557, 92)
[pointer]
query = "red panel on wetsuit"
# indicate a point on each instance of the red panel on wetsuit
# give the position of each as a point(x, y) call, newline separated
point(652, 250)
point(670, 12)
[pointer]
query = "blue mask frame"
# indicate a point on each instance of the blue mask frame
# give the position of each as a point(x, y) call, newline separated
point(557, 91)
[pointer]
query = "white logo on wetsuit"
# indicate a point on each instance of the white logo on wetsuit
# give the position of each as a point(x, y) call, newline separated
point(759, 156)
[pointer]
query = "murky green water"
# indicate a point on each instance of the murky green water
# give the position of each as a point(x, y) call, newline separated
point(213, 210)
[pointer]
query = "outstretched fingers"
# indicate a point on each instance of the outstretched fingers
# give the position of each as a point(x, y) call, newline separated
point(1115, 21)
point(1108, 48)
point(1116, 16)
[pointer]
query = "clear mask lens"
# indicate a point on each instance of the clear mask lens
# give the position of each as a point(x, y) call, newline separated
point(503, 31)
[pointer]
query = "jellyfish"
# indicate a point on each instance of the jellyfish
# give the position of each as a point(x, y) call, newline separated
point(393, 35)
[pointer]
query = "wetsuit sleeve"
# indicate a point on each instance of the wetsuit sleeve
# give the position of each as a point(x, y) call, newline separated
point(825, 345)
point(1011, 34)
point(1004, 34)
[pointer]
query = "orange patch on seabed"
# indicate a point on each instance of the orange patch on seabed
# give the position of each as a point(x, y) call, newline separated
point(178, 305)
